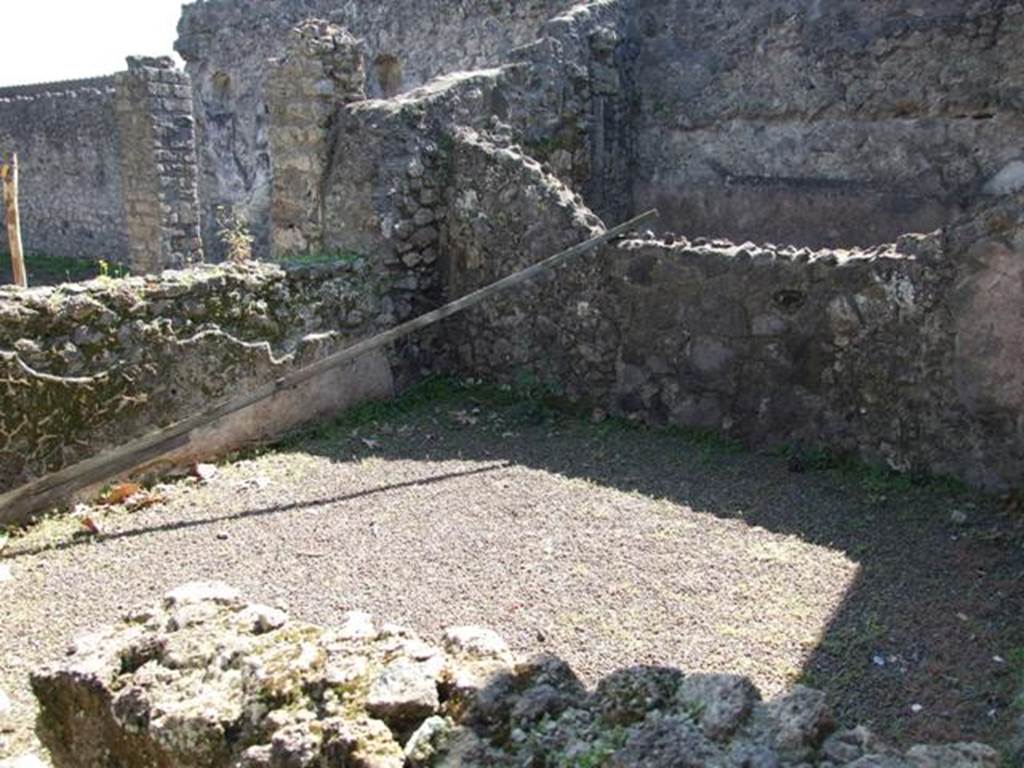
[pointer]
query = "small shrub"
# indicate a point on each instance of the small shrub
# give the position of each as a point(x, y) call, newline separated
point(234, 233)
point(47, 269)
point(109, 271)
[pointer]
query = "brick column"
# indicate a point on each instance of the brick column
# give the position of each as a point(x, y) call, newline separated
point(321, 69)
point(158, 165)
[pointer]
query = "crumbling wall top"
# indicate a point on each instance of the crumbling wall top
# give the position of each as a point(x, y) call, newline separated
point(58, 88)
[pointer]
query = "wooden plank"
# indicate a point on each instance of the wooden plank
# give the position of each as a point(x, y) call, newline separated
point(9, 173)
point(48, 491)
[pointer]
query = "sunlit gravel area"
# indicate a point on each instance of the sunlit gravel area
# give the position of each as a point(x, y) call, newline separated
point(604, 544)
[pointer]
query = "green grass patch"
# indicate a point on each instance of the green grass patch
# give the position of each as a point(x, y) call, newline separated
point(874, 479)
point(599, 752)
point(707, 443)
point(46, 269)
point(526, 402)
point(319, 257)
point(531, 402)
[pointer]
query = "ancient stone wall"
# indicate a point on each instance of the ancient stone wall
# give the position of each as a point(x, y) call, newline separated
point(158, 162)
point(571, 102)
point(227, 44)
point(866, 352)
point(881, 354)
point(823, 123)
point(494, 192)
point(107, 166)
point(389, 187)
point(71, 194)
point(91, 366)
point(322, 67)
point(787, 121)
point(588, 99)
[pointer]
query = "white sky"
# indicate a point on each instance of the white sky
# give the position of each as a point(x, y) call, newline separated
point(43, 40)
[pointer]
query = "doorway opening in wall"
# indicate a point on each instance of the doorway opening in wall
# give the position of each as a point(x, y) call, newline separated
point(388, 71)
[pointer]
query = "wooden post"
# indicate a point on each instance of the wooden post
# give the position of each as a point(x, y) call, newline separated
point(9, 173)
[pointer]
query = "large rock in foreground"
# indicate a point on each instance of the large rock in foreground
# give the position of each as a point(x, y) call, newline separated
point(207, 680)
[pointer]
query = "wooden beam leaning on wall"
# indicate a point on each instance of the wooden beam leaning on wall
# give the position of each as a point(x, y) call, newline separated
point(9, 176)
point(17, 506)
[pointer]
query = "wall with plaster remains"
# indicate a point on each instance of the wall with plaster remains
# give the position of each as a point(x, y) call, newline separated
point(884, 353)
point(847, 122)
point(91, 366)
point(789, 121)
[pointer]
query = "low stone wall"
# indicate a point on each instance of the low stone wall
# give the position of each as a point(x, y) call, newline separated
point(91, 366)
point(506, 213)
point(866, 353)
point(205, 679)
point(885, 354)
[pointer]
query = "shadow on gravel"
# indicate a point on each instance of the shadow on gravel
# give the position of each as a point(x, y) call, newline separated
point(275, 509)
point(928, 644)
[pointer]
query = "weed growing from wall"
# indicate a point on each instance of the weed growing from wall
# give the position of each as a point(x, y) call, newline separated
point(234, 233)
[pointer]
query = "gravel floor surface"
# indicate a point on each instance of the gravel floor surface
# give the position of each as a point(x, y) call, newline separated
point(606, 545)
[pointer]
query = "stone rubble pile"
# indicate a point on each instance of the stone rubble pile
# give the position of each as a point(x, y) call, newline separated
point(205, 679)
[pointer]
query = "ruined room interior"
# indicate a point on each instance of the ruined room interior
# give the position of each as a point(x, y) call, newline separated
point(545, 382)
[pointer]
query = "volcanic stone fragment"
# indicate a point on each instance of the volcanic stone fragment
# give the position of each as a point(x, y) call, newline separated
point(204, 679)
